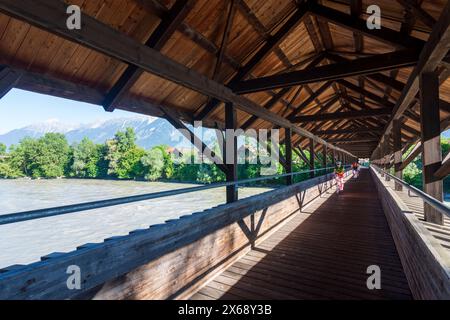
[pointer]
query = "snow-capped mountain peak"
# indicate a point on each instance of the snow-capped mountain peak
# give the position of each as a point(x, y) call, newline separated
point(149, 131)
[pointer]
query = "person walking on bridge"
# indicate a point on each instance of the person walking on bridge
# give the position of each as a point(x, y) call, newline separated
point(339, 172)
point(355, 169)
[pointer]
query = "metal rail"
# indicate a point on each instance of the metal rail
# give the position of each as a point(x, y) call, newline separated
point(56, 211)
point(436, 204)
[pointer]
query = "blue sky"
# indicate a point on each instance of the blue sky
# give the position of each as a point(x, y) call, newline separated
point(21, 108)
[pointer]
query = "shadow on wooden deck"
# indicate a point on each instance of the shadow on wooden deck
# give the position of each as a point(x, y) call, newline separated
point(322, 253)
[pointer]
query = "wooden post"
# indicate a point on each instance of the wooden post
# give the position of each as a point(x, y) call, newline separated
point(325, 151)
point(397, 134)
point(334, 157)
point(387, 157)
point(431, 141)
point(382, 157)
point(288, 145)
point(231, 156)
point(311, 157)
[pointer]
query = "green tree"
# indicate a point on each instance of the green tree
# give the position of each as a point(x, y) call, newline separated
point(23, 157)
point(86, 158)
point(117, 148)
point(8, 172)
point(2, 149)
point(52, 156)
point(153, 164)
point(130, 165)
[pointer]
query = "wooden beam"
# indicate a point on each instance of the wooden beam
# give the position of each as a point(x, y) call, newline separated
point(352, 141)
point(51, 15)
point(431, 141)
point(230, 151)
point(397, 135)
point(8, 79)
point(311, 158)
point(420, 13)
point(157, 40)
point(358, 39)
point(174, 120)
point(206, 44)
point(310, 99)
point(431, 56)
point(259, 56)
point(272, 102)
point(384, 34)
point(301, 154)
point(226, 35)
point(366, 93)
point(288, 154)
point(346, 131)
point(351, 68)
point(444, 170)
point(344, 115)
point(412, 155)
point(269, 105)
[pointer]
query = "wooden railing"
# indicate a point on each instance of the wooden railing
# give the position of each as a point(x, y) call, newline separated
point(425, 262)
point(166, 260)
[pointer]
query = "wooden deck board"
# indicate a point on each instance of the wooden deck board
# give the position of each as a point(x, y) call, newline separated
point(322, 253)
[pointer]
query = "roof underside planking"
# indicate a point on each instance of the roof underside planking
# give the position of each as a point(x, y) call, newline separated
point(294, 60)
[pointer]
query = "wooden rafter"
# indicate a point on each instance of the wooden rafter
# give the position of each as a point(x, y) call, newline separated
point(259, 56)
point(384, 34)
point(171, 21)
point(226, 35)
point(49, 15)
point(362, 66)
point(8, 79)
point(432, 54)
point(174, 119)
point(344, 115)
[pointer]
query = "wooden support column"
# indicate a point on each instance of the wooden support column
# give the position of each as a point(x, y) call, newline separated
point(382, 157)
point(431, 141)
point(325, 152)
point(231, 151)
point(397, 133)
point(288, 145)
point(387, 157)
point(311, 157)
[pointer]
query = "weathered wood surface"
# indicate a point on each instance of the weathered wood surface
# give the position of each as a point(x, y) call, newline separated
point(322, 253)
point(50, 16)
point(423, 247)
point(162, 261)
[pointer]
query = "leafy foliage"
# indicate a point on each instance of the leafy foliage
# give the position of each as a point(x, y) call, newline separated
point(412, 174)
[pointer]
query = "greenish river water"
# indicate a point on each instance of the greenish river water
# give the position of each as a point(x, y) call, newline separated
point(26, 242)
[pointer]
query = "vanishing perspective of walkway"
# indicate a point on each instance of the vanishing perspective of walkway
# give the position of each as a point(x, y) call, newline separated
point(321, 253)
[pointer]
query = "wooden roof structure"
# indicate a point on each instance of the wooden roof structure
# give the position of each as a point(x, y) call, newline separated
point(312, 66)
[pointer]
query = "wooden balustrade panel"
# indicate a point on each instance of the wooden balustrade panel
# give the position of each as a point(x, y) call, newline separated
point(180, 272)
point(162, 261)
point(425, 261)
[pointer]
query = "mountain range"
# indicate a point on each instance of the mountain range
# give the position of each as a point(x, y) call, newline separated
point(149, 132)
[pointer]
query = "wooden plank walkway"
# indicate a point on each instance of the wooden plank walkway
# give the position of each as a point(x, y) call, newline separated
point(322, 253)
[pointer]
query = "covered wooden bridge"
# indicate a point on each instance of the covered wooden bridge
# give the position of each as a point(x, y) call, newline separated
point(337, 81)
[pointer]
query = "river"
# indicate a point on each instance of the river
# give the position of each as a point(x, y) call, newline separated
point(26, 242)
